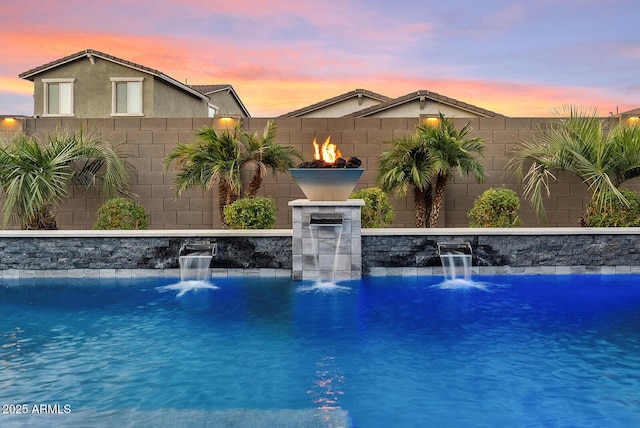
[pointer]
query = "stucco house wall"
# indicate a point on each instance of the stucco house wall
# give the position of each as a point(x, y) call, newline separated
point(343, 108)
point(227, 104)
point(169, 101)
point(147, 141)
point(430, 108)
point(92, 92)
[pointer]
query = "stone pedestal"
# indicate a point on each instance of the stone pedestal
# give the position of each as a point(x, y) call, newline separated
point(348, 259)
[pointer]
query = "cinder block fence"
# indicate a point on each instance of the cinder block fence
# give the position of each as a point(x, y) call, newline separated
point(146, 141)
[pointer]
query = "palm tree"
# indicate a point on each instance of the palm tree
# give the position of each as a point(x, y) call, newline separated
point(581, 144)
point(408, 165)
point(451, 149)
point(425, 161)
point(35, 177)
point(266, 154)
point(214, 157)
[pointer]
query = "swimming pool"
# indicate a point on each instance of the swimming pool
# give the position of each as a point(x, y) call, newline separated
point(527, 351)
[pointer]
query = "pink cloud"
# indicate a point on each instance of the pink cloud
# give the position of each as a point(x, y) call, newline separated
point(515, 100)
point(275, 77)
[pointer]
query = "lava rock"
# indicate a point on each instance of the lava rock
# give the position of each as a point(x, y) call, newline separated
point(353, 162)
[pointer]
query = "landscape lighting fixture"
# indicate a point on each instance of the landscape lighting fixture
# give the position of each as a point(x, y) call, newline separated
point(432, 121)
point(226, 120)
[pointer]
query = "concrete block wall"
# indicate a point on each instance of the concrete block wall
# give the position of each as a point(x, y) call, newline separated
point(146, 141)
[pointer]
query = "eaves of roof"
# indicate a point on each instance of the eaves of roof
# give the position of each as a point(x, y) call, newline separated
point(634, 112)
point(211, 89)
point(335, 100)
point(423, 95)
point(90, 53)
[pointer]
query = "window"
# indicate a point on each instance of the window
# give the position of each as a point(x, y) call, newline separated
point(127, 96)
point(212, 110)
point(58, 97)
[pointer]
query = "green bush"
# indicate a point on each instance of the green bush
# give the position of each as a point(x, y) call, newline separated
point(617, 215)
point(496, 207)
point(121, 213)
point(377, 211)
point(251, 213)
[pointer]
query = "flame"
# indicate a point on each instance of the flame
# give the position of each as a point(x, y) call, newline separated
point(328, 152)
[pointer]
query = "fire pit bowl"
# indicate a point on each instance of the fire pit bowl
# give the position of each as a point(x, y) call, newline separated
point(326, 184)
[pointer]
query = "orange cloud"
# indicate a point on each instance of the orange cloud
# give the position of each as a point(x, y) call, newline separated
point(273, 80)
point(275, 97)
point(14, 85)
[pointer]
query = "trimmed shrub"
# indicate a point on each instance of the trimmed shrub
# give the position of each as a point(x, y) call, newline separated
point(377, 211)
point(617, 215)
point(121, 213)
point(251, 213)
point(496, 207)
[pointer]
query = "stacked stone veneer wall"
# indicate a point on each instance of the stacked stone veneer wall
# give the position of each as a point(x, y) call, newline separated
point(385, 252)
point(508, 252)
point(81, 253)
point(327, 251)
point(148, 140)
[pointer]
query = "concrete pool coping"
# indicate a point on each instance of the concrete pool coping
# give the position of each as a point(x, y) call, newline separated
point(195, 233)
point(386, 251)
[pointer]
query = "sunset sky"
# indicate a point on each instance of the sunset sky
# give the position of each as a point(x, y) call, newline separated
point(518, 58)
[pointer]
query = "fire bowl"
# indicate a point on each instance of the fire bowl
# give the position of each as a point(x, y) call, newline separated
point(326, 184)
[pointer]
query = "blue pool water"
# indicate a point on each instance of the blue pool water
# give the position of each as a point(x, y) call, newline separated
point(560, 351)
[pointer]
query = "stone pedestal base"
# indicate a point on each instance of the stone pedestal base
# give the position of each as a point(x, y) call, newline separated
point(344, 218)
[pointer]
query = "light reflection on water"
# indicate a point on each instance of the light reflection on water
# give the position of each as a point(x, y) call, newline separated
point(328, 386)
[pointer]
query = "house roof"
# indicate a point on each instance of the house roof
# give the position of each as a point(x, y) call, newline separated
point(423, 95)
point(90, 54)
point(356, 93)
point(634, 112)
point(211, 89)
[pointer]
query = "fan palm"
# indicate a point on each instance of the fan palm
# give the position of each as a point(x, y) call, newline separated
point(451, 149)
point(264, 153)
point(408, 165)
point(35, 177)
point(214, 157)
point(425, 161)
point(580, 144)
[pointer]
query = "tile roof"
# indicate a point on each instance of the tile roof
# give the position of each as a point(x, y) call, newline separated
point(422, 95)
point(209, 89)
point(90, 53)
point(335, 100)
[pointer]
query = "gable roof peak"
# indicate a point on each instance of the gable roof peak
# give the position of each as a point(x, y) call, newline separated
point(635, 111)
point(423, 95)
point(213, 88)
point(91, 53)
point(356, 93)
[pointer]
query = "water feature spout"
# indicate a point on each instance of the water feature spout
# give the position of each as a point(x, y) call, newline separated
point(199, 248)
point(326, 233)
point(195, 259)
point(330, 219)
point(456, 259)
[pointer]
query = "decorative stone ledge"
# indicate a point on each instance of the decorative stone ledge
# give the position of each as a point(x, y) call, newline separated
point(268, 253)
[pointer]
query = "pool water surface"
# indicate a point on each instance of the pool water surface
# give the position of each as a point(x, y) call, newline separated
point(516, 350)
